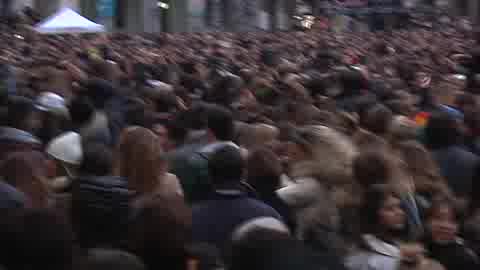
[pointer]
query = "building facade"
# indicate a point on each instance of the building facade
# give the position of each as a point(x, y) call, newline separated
point(198, 15)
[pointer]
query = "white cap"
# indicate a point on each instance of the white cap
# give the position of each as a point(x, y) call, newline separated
point(267, 223)
point(51, 102)
point(67, 148)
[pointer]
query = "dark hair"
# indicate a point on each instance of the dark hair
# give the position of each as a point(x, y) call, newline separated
point(220, 123)
point(226, 165)
point(81, 110)
point(177, 132)
point(136, 113)
point(97, 160)
point(102, 259)
point(377, 119)
point(264, 170)
point(100, 91)
point(441, 201)
point(19, 110)
point(375, 197)
point(372, 167)
point(441, 131)
point(474, 204)
point(161, 231)
point(36, 238)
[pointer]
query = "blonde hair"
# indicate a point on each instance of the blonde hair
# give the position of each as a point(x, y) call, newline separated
point(331, 155)
point(139, 158)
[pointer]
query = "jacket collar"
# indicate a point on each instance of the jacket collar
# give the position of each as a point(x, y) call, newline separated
point(377, 245)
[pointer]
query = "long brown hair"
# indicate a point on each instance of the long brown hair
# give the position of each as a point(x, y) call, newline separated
point(139, 159)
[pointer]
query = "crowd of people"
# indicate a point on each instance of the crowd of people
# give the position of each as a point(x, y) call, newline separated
point(203, 151)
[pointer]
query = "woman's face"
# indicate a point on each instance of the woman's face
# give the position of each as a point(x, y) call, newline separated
point(391, 215)
point(443, 225)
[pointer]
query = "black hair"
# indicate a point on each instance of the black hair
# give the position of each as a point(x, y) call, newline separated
point(220, 123)
point(226, 165)
point(81, 110)
point(97, 160)
point(177, 132)
point(441, 131)
point(19, 110)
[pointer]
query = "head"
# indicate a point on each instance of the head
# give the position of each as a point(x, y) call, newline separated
point(264, 169)
point(378, 119)
point(372, 168)
point(100, 91)
point(101, 259)
point(443, 219)
point(97, 160)
point(160, 232)
point(226, 166)
point(139, 158)
point(177, 134)
point(220, 123)
point(322, 153)
point(442, 131)
point(23, 115)
point(81, 111)
point(383, 212)
point(28, 172)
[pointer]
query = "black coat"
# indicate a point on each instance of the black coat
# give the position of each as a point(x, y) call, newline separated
point(454, 256)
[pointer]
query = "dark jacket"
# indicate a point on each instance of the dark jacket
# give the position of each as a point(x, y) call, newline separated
point(453, 256)
point(215, 220)
point(457, 165)
point(192, 171)
point(15, 140)
point(101, 209)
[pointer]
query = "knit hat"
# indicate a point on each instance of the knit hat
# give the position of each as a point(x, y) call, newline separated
point(67, 148)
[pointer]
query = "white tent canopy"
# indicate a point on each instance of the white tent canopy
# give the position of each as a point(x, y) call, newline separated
point(68, 21)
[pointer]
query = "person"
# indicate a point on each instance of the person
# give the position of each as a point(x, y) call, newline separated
point(442, 242)
point(23, 122)
point(99, 259)
point(100, 202)
point(270, 247)
point(36, 238)
point(194, 174)
point(382, 242)
point(161, 231)
point(91, 124)
point(456, 164)
point(28, 172)
point(320, 161)
point(214, 220)
point(66, 153)
point(264, 170)
point(140, 159)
